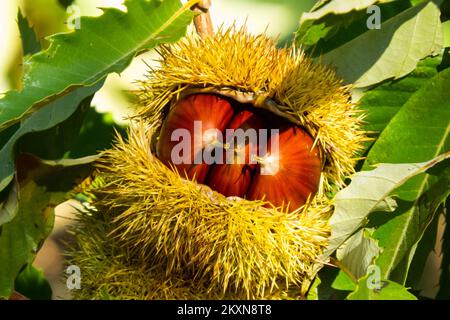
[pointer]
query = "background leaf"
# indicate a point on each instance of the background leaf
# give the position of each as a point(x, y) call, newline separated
point(366, 193)
point(47, 17)
point(41, 185)
point(444, 285)
point(30, 42)
point(426, 266)
point(358, 253)
point(337, 7)
point(47, 118)
point(422, 214)
point(343, 282)
point(419, 131)
point(331, 284)
point(32, 284)
point(98, 125)
point(382, 103)
point(392, 51)
point(320, 34)
point(103, 45)
point(446, 28)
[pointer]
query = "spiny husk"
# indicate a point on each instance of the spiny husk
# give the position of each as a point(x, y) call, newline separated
point(223, 245)
point(110, 271)
point(161, 236)
point(310, 93)
point(113, 272)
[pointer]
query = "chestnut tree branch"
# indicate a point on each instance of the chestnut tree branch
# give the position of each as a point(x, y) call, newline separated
point(202, 21)
point(17, 296)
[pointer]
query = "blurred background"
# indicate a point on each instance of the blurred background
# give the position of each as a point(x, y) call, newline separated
point(278, 18)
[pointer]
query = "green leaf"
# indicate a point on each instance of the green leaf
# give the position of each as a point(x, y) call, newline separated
point(98, 125)
point(425, 249)
point(337, 7)
point(399, 249)
point(343, 282)
point(392, 51)
point(10, 205)
point(419, 131)
point(367, 193)
point(332, 284)
point(30, 42)
point(358, 253)
point(47, 17)
point(347, 27)
point(32, 283)
point(45, 119)
point(382, 103)
point(42, 185)
point(444, 283)
point(102, 45)
point(319, 4)
point(5, 135)
point(445, 9)
point(313, 293)
point(446, 29)
point(326, 29)
point(310, 32)
point(388, 290)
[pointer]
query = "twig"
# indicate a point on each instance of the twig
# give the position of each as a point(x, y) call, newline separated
point(17, 296)
point(338, 264)
point(203, 23)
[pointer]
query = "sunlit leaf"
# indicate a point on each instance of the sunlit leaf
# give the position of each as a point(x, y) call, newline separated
point(358, 253)
point(392, 51)
point(364, 195)
point(419, 131)
point(382, 103)
point(45, 119)
point(388, 290)
point(102, 45)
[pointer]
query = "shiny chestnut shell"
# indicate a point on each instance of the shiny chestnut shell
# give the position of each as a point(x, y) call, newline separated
point(285, 172)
